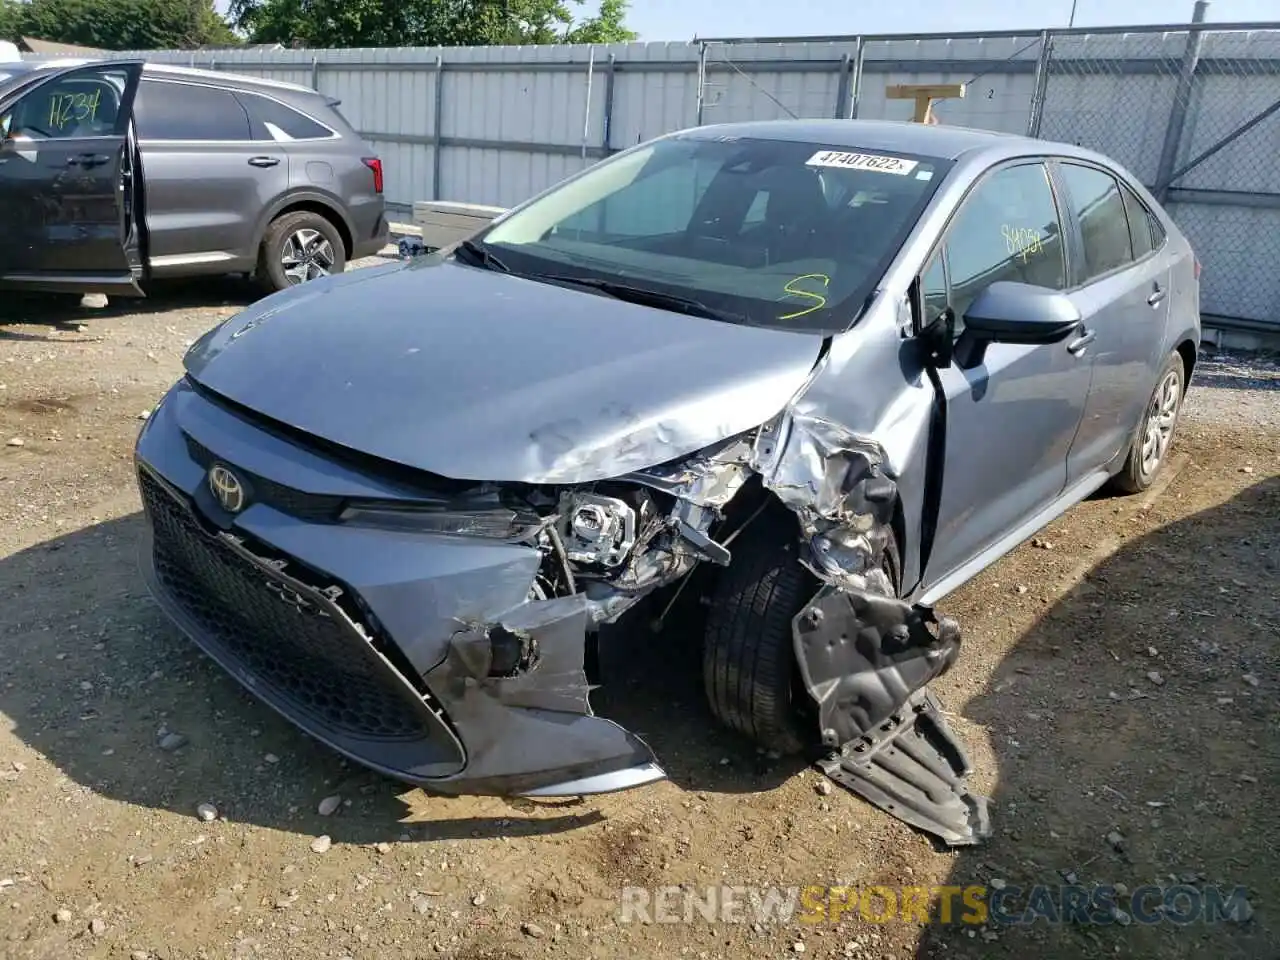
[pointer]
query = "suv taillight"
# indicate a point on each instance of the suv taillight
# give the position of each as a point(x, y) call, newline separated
point(1198, 268)
point(374, 164)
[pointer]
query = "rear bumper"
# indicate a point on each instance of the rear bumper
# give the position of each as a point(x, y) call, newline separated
point(373, 239)
point(373, 642)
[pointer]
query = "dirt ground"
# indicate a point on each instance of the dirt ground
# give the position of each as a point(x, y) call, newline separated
point(1118, 693)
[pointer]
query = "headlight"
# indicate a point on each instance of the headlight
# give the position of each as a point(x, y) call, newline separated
point(596, 529)
point(493, 523)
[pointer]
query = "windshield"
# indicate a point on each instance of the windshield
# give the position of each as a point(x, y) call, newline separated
point(765, 232)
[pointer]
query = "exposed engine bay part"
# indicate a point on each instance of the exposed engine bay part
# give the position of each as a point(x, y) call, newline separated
point(835, 483)
point(866, 659)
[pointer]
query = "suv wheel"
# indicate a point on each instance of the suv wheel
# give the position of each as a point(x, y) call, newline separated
point(299, 247)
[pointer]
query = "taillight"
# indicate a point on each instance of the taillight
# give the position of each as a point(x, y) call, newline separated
point(1197, 262)
point(374, 164)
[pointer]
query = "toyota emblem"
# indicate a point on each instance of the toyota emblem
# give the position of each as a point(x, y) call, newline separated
point(227, 489)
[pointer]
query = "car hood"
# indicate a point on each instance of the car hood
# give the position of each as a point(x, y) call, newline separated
point(477, 375)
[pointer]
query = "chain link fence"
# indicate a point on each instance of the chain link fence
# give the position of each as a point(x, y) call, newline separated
point(1192, 111)
point(1195, 114)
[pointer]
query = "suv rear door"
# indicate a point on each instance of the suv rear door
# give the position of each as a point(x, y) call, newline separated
point(67, 182)
point(208, 180)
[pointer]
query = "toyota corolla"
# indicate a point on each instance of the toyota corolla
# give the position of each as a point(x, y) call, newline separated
point(842, 365)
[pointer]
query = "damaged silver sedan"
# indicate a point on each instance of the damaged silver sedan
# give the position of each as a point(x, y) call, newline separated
point(842, 365)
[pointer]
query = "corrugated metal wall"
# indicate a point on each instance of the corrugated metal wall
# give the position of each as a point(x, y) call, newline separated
point(496, 125)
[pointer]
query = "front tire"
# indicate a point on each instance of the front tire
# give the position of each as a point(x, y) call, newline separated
point(1149, 448)
point(748, 654)
point(300, 247)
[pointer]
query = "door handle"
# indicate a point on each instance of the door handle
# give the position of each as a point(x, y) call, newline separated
point(87, 160)
point(263, 161)
point(1077, 346)
point(1157, 295)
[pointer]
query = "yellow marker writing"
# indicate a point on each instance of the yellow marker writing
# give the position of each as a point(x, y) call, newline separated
point(819, 300)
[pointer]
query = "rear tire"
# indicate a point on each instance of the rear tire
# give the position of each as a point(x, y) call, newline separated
point(299, 247)
point(748, 657)
point(1153, 438)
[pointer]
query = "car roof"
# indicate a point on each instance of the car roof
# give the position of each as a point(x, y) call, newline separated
point(161, 70)
point(943, 142)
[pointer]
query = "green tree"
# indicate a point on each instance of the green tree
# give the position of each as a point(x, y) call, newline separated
point(383, 23)
point(118, 24)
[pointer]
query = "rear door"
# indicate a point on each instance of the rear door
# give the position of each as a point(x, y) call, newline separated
point(1121, 287)
point(208, 179)
point(67, 182)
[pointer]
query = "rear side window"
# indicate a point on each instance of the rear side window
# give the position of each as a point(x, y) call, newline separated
point(185, 111)
point(271, 120)
point(1104, 225)
point(1144, 226)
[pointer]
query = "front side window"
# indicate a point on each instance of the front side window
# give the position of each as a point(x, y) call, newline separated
point(187, 111)
point(764, 232)
point(1104, 226)
point(83, 104)
point(1007, 229)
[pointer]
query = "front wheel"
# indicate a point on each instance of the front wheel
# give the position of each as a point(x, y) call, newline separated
point(300, 247)
point(748, 654)
point(1149, 448)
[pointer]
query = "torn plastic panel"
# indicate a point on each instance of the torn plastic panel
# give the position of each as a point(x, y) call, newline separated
point(866, 659)
point(708, 479)
point(519, 688)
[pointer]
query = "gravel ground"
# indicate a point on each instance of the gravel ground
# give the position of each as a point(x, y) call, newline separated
point(1117, 693)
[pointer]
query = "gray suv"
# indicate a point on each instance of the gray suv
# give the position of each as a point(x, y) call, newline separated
point(113, 173)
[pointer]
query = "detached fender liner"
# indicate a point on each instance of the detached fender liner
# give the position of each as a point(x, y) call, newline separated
point(866, 659)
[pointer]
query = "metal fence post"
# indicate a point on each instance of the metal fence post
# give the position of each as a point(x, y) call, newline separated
point(1181, 100)
point(586, 112)
point(315, 73)
point(842, 88)
point(855, 79)
point(610, 78)
point(1042, 84)
point(437, 122)
point(702, 80)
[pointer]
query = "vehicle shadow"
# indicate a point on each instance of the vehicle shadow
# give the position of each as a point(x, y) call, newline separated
point(59, 311)
point(1135, 732)
point(94, 677)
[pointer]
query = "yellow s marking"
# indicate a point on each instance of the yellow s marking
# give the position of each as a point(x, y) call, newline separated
point(819, 301)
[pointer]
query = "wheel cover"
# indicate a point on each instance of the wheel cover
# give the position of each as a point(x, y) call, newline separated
point(306, 255)
point(1162, 416)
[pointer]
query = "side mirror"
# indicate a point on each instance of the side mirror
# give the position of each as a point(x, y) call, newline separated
point(1009, 312)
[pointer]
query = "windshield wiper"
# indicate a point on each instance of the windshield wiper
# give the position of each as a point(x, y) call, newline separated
point(644, 296)
point(481, 257)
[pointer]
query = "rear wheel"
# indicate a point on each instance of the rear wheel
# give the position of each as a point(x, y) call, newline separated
point(299, 247)
point(1149, 448)
point(748, 659)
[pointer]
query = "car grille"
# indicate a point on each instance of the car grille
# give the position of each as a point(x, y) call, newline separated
point(279, 633)
point(317, 507)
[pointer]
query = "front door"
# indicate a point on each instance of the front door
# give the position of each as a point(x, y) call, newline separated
point(67, 186)
point(1010, 420)
point(1123, 296)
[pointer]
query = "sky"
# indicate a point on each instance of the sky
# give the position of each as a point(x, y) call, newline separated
point(685, 19)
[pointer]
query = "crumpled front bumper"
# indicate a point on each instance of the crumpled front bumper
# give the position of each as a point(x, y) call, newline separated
point(376, 642)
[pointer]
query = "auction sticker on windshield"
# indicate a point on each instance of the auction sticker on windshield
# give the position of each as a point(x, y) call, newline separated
point(861, 161)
